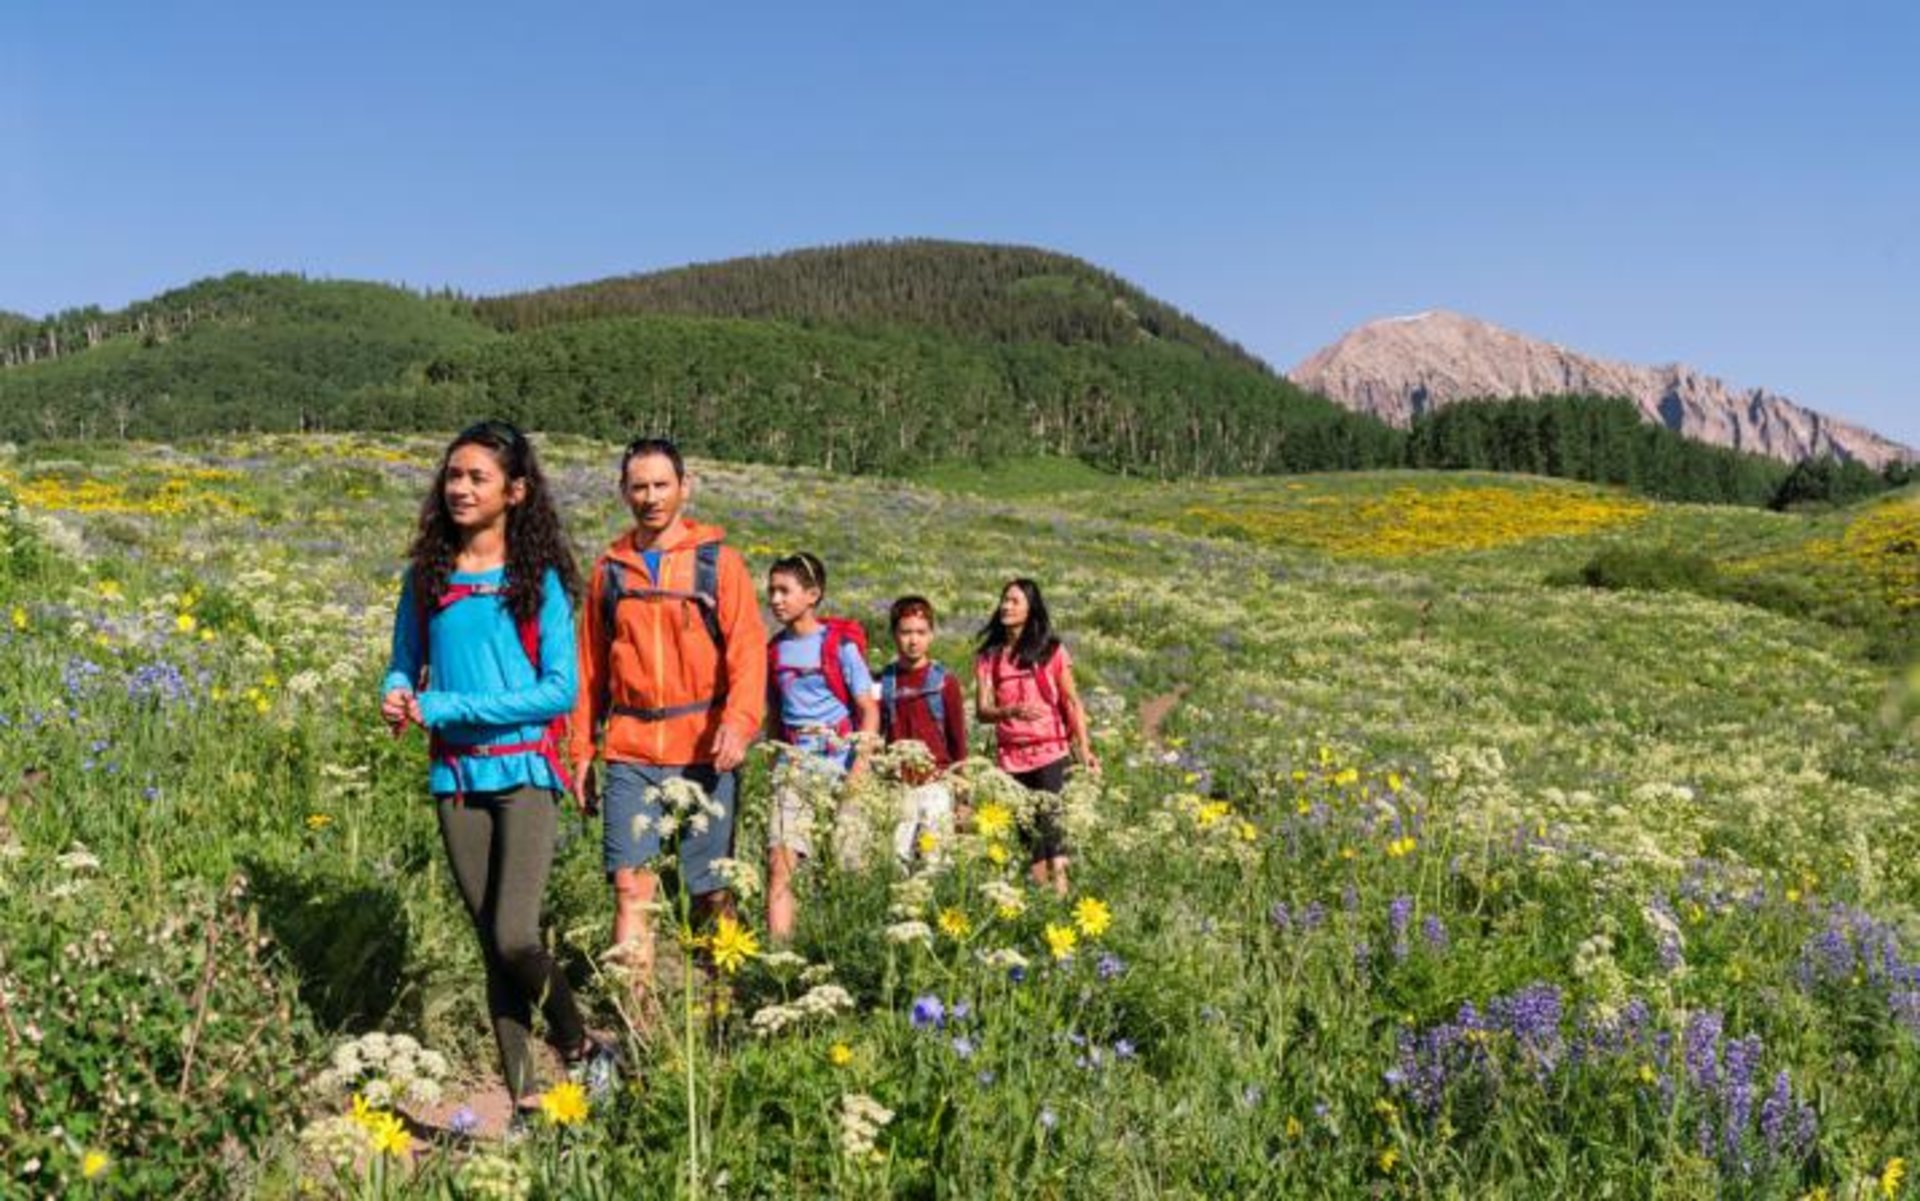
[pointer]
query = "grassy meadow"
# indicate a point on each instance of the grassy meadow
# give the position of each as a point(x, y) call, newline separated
point(1432, 871)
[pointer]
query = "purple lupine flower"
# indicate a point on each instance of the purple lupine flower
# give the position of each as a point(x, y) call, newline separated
point(1434, 932)
point(1776, 1112)
point(1905, 1005)
point(1314, 917)
point(1109, 966)
point(1399, 916)
point(1736, 1091)
point(1702, 1049)
point(1532, 1016)
point(928, 1011)
point(1362, 957)
point(963, 1047)
point(1350, 898)
point(464, 1121)
point(1281, 919)
point(961, 1011)
point(1124, 1049)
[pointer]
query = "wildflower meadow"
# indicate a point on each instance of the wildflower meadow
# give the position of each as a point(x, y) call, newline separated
point(1417, 867)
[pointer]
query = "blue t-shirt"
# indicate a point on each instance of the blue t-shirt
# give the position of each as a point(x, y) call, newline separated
point(481, 689)
point(800, 690)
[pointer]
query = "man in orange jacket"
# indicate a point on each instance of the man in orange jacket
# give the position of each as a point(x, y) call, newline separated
point(673, 663)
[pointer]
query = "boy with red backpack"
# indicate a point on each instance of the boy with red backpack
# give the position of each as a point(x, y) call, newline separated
point(921, 701)
point(820, 704)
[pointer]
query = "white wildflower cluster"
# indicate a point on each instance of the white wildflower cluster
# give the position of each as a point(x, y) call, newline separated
point(494, 1178)
point(386, 1070)
point(904, 933)
point(683, 803)
point(816, 973)
point(820, 1001)
point(740, 876)
point(861, 1120)
point(1600, 974)
point(77, 859)
point(910, 897)
point(906, 760)
point(1007, 900)
point(336, 1141)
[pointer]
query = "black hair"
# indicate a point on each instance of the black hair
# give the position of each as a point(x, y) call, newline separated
point(910, 606)
point(1037, 642)
point(535, 539)
point(640, 448)
point(803, 566)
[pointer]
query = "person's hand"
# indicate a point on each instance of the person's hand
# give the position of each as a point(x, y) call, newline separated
point(395, 709)
point(586, 790)
point(1090, 761)
point(729, 749)
point(1030, 711)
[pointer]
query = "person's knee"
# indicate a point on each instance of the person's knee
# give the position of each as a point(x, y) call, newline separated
point(518, 946)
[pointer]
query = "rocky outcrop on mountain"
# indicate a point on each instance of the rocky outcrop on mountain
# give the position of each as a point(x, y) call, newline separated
point(1401, 367)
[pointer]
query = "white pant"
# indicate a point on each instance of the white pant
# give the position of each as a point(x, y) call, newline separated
point(923, 810)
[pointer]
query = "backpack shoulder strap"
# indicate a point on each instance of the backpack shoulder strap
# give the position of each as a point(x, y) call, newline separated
point(706, 584)
point(613, 582)
point(830, 669)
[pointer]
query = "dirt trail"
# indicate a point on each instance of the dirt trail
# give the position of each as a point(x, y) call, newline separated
point(1154, 714)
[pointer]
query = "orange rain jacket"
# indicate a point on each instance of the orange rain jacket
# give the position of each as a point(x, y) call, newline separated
point(660, 656)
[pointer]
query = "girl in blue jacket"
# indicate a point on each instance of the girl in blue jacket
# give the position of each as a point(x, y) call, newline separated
point(483, 658)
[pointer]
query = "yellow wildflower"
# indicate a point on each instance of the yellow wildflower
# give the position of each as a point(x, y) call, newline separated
point(387, 1135)
point(1647, 1074)
point(954, 923)
point(1346, 776)
point(364, 1114)
point(19, 617)
point(1248, 831)
point(319, 821)
point(926, 843)
point(565, 1104)
point(993, 820)
point(1092, 916)
point(839, 1055)
point(1293, 1126)
point(92, 1164)
point(1400, 847)
point(185, 623)
point(1394, 782)
point(997, 853)
point(1389, 1159)
point(1212, 812)
point(1061, 940)
point(1892, 1175)
point(732, 944)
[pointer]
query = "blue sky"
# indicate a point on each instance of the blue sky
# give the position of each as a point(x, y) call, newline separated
point(1732, 185)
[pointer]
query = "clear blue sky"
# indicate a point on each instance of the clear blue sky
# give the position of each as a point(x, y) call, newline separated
point(1732, 185)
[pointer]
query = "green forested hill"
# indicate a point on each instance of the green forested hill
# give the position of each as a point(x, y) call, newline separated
point(969, 290)
point(877, 357)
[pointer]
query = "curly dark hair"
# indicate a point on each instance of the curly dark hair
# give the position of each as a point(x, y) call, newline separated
point(535, 541)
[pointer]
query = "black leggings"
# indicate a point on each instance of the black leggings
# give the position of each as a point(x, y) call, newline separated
point(501, 848)
point(1047, 840)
